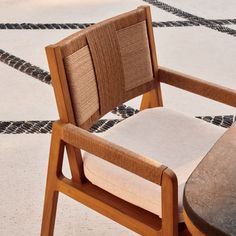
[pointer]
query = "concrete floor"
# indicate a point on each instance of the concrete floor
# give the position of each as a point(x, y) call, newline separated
point(196, 50)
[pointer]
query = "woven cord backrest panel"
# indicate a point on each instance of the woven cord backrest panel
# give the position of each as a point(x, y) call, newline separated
point(121, 57)
point(135, 55)
point(102, 41)
point(107, 64)
point(82, 84)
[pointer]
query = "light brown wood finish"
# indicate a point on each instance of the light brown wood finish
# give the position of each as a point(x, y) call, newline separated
point(197, 86)
point(54, 171)
point(152, 98)
point(169, 203)
point(64, 105)
point(191, 227)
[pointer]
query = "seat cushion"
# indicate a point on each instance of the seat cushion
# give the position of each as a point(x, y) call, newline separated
point(174, 139)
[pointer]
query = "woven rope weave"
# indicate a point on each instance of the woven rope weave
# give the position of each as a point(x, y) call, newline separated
point(135, 55)
point(82, 83)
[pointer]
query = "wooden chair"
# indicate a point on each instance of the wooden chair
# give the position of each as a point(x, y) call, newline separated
point(95, 70)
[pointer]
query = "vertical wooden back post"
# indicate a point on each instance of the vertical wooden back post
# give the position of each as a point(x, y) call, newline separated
point(152, 98)
point(64, 108)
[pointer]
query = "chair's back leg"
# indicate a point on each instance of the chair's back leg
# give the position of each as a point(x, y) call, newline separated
point(51, 194)
point(151, 99)
point(49, 212)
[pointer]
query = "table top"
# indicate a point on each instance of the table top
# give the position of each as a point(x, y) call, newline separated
point(210, 192)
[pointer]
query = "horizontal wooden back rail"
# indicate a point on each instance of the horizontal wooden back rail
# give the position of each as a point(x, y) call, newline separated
point(122, 157)
point(198, 86)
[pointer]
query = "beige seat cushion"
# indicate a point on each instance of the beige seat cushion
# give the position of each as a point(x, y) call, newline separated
point(172, 138)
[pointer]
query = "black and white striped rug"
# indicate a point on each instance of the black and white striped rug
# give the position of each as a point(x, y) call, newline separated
point(44, 126)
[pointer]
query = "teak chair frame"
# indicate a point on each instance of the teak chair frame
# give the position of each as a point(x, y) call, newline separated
point(65, 133)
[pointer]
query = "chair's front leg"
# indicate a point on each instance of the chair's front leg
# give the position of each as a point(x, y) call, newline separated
point(51, 193)
point(49, 212)
point(169, 203)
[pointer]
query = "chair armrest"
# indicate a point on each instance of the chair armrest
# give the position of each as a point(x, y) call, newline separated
point(197, 86)
point(115, 154)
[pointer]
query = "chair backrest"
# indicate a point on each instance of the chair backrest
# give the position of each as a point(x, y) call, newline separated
point(99, 68)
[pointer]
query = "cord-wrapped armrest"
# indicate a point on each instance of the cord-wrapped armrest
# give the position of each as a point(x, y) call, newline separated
point(189, 83)
point(117, 155)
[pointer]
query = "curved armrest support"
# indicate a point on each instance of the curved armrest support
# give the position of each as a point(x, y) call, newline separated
point(197, 86)
point(122, 157)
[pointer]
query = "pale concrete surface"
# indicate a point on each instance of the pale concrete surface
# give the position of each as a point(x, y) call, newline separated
point(71, 10)
point(30, 44)
point(198, 51)
point(232, 27)
point(203, 53)
point(218, 9)
point(25, 98)
point(23, 172)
